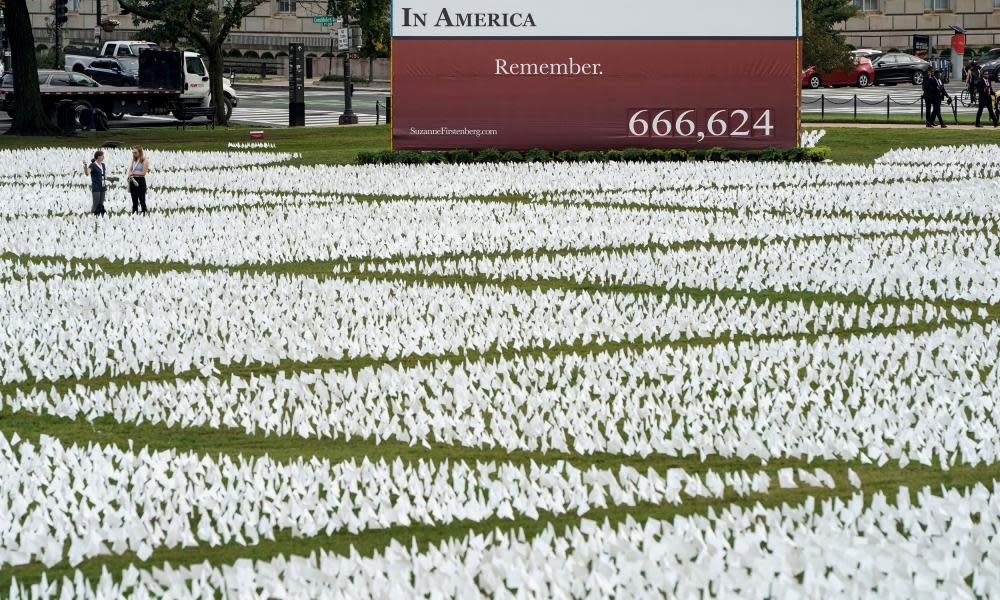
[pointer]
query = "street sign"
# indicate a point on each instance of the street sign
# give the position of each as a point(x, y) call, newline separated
point(296, 85)
point(343, 38)
point(325, 20)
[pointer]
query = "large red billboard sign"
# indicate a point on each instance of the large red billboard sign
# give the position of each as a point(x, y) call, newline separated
point(581, 74)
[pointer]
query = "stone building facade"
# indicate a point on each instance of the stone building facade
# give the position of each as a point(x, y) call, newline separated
point(271, 27)
point(886, 24)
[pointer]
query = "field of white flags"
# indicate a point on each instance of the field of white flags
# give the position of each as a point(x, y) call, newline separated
point(600, 380)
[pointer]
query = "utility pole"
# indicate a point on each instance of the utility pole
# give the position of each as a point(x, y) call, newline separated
point(97, 26)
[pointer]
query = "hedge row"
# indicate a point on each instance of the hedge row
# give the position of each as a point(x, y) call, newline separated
point(631, 155)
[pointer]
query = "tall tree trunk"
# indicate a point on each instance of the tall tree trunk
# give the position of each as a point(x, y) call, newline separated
point(29, 116)
point(216, 72)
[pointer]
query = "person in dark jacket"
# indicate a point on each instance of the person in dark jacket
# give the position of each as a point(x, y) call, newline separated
point(98, 183)
point(934, 94)
point(984, 89)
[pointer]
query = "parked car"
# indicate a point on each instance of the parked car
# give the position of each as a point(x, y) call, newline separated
point(49, 78)
point(896, 67)
point(862, 75)
point(991, 56)
point(990, 64)
point(49, 81)
point(867, 53)
point(113, 71)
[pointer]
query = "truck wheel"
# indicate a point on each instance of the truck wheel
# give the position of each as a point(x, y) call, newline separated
point(100, 120)
point(82, 114)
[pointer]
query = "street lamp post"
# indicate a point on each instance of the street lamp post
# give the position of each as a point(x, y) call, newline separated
point(97, 26)
point(348, 118)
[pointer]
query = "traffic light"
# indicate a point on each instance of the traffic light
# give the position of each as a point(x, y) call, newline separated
point(61, 10)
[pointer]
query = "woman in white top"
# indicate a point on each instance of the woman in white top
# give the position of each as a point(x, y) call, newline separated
point(137, 172)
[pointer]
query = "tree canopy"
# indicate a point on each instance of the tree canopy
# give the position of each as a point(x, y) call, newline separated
point(204, 23)
point(822, 45)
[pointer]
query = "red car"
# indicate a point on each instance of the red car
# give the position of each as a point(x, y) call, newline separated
point(863, 75)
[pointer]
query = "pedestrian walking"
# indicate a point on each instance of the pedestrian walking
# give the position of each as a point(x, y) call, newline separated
point(984, 89)
point(98, 182)
point(934, 94)
point(137, 172)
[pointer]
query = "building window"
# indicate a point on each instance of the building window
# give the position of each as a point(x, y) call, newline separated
point(871, 5)
point(286, 6)
point(73, 6)
point(996, 3)
point(937, 4)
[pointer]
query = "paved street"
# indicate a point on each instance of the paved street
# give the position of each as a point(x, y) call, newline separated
point(267, 106)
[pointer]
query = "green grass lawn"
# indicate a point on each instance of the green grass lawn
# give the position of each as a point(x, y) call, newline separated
point(340, 145)
point(319, 145)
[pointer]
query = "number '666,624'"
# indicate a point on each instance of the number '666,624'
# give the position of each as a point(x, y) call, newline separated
point(670, 122)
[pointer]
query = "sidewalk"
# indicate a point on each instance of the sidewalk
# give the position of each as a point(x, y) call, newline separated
point(282, 82)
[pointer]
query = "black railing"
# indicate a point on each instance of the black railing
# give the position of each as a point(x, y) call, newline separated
point(889, 102)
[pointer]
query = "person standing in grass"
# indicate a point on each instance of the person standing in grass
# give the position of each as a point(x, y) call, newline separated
point(137, 172)
point(98, 183)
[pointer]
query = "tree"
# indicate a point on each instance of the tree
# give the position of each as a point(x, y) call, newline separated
point(373, 18)
point(822, 45)
point(205, 24)
point(29, 115)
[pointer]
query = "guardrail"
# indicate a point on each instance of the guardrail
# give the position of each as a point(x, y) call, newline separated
point(889, 102)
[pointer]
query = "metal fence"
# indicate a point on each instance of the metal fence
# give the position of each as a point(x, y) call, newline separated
point(252, 66)
point(854, 102)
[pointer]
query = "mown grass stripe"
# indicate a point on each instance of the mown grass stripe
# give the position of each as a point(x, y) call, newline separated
point(886, 481)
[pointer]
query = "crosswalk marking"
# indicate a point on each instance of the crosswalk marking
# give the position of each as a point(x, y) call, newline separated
point(278, 117)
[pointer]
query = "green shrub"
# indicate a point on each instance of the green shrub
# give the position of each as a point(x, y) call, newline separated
point(818, 154)
point(593, 156)
point(537, 155)
point(490, 155)
point(383, 156)
point(633, 155)
point(251, 54)
point(772, 155)
point(459, 157)
point(677, 155)
point(267, 56)
point(493, 155)
point(47, 60)
point(234, 53)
